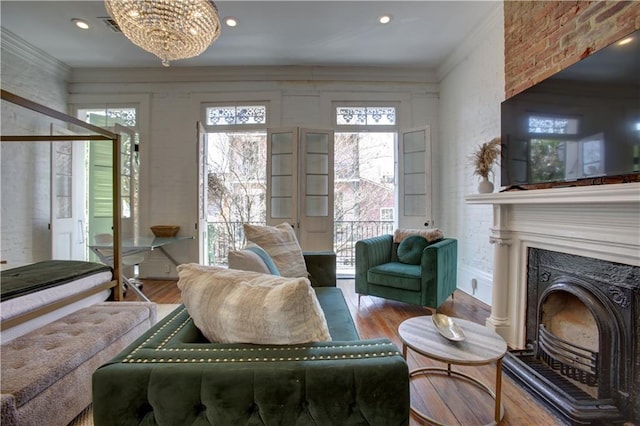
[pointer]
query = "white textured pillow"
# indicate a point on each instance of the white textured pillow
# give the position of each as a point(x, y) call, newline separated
point(282, 245)
point(431, 235)
point(230, 306)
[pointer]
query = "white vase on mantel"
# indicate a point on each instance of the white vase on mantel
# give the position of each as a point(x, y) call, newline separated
point(485, 186)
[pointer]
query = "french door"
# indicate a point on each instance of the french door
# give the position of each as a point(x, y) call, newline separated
point(100, 190)
point(67, 200)
point(414, 186)
point(300, 184)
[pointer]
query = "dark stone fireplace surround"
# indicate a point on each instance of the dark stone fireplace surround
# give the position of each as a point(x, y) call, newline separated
point(611, 292)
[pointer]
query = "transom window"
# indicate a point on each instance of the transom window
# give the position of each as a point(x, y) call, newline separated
point(236, 115)
point(108, 117)
point(366, 115)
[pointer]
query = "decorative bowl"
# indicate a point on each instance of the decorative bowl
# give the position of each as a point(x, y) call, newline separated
point(163, 231)
point(447, 327)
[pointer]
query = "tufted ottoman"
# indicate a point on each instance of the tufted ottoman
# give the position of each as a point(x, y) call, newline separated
point(46, 374)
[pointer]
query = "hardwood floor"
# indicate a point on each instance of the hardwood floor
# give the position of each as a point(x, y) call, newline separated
point(448, 400)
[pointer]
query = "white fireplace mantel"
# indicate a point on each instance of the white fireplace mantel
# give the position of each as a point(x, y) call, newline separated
point(601, 222)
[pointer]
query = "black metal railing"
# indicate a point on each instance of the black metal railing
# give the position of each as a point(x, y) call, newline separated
point(226, 236)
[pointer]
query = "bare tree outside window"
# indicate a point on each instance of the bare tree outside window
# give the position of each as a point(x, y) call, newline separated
point(236, 185)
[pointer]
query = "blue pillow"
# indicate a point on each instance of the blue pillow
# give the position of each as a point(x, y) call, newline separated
point(410, 249)
point(273, 269)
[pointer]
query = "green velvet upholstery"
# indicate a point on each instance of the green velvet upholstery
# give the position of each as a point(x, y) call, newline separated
point(380, 273)
point(173, 376)
point(321, 266)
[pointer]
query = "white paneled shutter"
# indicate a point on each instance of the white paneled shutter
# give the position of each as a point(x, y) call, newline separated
point(415, 207)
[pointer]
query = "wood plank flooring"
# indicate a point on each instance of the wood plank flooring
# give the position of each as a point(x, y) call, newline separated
point(450, 401)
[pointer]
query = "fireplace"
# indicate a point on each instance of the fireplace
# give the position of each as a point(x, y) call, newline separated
point(582, 337)
point(565, 296)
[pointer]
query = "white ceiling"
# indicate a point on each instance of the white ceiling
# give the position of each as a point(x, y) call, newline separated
point(270, 33)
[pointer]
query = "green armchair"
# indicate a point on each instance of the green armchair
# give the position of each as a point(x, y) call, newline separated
point(379, 272)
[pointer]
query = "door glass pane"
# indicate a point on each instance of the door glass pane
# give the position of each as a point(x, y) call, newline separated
point(413, 141)
point(414, 162)
point(317, 163)
point(281, 143)
point(317, 206)
point(317, 143)
point(281, 207)
point(414, 205)
point(414, 184)
point(317, 185)
point(281, 164)
point(281, 186)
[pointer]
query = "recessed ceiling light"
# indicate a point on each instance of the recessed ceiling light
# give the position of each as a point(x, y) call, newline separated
point(231, 21)
point(80, 23)
point(625, 41)
point(384, 19)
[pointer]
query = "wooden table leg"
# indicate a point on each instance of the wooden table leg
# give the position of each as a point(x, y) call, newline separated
point(498, 390)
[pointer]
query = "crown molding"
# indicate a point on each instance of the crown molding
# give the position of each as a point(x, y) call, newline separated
point(494, 20)
point(254, 73)
point(12, 44)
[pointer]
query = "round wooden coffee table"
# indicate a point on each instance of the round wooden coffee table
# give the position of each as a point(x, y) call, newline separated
point(481, 346)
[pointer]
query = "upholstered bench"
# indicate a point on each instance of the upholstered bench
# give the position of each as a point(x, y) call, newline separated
point(173, 376)
point(46, 374)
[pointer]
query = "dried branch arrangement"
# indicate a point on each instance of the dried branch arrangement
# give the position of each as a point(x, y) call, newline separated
point(484, 157)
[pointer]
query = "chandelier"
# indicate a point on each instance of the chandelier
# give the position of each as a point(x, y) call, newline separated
point(170, 29)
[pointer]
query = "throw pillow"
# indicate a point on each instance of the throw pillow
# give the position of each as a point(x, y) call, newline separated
point(230, 306)
point(247, 260)
point(273, 269)
point(411, 248)
point(432, 235)
point(282, 245)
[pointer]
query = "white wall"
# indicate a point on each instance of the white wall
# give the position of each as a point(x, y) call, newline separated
point(297, 96)
point(472, 87)
point(25, 182)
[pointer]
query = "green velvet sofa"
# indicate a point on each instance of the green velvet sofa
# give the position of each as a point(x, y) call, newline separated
point(380, 273)
point(173, 376)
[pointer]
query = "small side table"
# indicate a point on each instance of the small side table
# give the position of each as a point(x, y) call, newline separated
point(481, 346)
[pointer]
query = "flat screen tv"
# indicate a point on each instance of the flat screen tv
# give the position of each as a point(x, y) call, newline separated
point(579, 126)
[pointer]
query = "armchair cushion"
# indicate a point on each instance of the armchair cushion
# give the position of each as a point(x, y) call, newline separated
point(396, 275)
point(410, 249)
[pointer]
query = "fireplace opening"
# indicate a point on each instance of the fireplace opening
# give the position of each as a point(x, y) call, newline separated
point(568, 340)
point(581, 357)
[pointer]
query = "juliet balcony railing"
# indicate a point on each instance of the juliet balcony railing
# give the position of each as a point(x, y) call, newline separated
point(226, 236)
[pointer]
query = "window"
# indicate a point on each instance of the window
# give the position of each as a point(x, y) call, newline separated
point(236, 115)
point(110, 117)
point(386, 213)
point(366, 115)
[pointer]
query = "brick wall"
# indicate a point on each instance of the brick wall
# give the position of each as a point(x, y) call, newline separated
point(544, 37)
point(25, 182)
